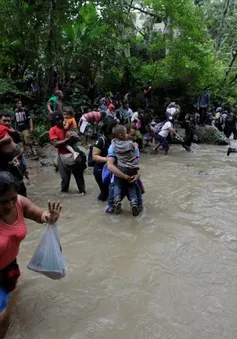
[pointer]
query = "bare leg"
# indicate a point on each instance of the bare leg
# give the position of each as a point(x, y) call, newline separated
point(71, 150)
point(4, 323)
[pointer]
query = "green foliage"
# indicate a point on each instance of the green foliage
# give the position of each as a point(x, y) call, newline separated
point(183, 47)
point(6, 85)
point(41, 134)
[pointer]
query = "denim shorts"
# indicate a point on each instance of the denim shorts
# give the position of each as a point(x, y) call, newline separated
point(4, 299)
point(146, 136)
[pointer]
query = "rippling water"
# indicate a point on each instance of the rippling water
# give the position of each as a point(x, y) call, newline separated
point(170, 273)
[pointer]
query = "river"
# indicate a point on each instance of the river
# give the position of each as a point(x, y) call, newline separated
point(171, 273)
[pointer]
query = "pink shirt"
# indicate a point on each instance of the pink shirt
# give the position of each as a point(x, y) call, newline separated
point(11, 236)
point(92, 117)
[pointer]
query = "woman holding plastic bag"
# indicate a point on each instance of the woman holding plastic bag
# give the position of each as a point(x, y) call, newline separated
point(13, 211)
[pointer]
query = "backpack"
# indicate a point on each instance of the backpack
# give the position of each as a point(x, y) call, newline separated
point(158, 127)
point(90, 161)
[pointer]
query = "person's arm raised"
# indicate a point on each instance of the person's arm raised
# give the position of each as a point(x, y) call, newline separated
point(39, 215)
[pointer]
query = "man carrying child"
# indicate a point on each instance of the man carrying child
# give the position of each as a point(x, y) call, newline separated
point(126, 170)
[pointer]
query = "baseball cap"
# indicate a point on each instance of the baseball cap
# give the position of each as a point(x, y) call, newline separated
point(57, 116)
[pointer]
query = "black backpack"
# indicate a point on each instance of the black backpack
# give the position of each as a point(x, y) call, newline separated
point(90, 161)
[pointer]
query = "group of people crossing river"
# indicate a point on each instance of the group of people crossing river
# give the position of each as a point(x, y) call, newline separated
point(114, 136)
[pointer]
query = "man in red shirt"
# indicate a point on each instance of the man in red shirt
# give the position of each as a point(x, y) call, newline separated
point(58, 138)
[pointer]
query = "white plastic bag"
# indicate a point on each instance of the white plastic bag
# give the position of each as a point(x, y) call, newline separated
point(48, 258)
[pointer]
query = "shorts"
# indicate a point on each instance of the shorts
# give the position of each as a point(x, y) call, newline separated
point(146, 136)
point(4, 299)
point(26, 136)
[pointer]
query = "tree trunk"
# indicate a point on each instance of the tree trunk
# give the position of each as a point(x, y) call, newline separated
point(227, 5)
point(51, 49)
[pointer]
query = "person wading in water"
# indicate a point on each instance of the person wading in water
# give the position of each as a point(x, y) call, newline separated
point(59, 139)
point(14, 209)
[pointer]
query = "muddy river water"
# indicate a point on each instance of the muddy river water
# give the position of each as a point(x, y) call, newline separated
point(171, 273)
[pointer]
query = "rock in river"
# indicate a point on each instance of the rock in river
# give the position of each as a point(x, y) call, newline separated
point(211, 135)
point(206, 135)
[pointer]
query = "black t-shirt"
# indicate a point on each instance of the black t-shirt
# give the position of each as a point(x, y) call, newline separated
point(22, 119)
point(103, 144)
point(189, 127)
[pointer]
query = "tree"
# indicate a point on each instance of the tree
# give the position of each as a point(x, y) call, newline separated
point(181, 46)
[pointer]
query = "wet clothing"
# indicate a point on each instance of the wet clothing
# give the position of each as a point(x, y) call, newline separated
point(8, 280)
point(163, 142)
point(190, 130)
point(120, 187)
point(230, 126)
point(66, 173)
point(103, 145)
point(4, 298)
point(59, 134)
point(11, 237)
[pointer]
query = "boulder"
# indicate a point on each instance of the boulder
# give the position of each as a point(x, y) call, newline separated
point(211, 135)
point(49, 156)
point(49, 151)
point(205, 135)
point(46, 162)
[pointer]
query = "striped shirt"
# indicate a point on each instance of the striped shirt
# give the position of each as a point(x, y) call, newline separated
point(92, 117)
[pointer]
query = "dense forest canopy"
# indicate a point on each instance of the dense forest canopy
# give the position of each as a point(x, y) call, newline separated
point(183, 47)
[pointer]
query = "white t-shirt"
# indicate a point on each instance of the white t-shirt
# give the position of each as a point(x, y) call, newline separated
point(165, 129)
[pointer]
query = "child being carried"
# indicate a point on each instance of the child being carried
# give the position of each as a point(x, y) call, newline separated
point(127, 163)
point(12, 151)
point(70, 126)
